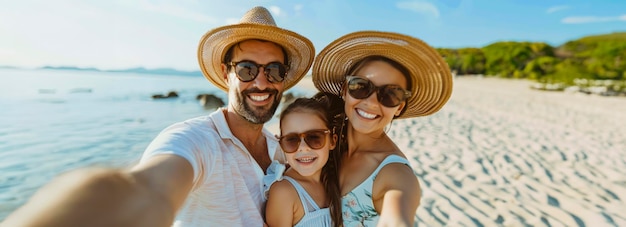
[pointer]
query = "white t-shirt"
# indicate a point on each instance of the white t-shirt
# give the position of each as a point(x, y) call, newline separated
point(227, 185)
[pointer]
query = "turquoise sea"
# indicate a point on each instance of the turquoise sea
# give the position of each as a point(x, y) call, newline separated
point(52, 121)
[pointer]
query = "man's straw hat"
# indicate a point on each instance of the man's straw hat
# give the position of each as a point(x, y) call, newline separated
point(430, 75)
point(257, 23)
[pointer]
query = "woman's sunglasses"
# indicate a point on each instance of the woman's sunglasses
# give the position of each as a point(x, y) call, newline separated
point(389, 95)
point(248, 71)
point(315, 139)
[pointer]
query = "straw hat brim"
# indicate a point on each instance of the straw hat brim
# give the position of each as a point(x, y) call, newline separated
point(215, 43)
point(430, 75)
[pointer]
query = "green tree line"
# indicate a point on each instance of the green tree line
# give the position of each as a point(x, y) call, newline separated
point(599, 57)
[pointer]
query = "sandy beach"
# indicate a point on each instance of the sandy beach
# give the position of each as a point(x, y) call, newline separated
point(501, 154)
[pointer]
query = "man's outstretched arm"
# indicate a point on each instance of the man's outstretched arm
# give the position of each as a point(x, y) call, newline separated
point(148, 195)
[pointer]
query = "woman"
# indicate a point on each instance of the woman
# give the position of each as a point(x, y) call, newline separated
point(378, 77)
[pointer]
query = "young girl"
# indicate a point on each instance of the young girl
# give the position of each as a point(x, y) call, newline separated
point(378, 77)
point(307, 194)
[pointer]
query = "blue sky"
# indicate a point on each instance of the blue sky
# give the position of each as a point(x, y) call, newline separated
point(116, 34)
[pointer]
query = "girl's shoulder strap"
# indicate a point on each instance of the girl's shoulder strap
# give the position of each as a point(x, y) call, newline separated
point(307, 201)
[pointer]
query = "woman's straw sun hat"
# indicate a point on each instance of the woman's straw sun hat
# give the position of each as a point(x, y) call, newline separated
point(430, 75)
point(257, 23)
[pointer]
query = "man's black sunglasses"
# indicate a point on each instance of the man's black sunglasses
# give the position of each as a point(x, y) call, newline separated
point(248, 71)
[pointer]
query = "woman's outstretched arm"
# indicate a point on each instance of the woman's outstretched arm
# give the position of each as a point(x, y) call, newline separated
point(401, 195)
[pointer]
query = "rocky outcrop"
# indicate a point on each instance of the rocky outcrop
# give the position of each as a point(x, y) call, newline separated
point(171, 94)
point(210, 101)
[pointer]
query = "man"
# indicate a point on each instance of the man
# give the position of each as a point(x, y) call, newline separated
point(206, 171)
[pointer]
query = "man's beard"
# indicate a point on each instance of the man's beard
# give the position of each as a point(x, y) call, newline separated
point(256, 115)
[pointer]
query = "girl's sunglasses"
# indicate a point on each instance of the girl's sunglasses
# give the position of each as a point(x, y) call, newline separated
point(389, 95)
point(315, 139)
point(248, 71)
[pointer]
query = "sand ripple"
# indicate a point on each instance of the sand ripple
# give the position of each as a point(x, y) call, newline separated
point(500, 154)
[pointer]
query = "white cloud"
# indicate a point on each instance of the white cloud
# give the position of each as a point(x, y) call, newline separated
point(420, 7)
point(556, 8)
point(591, 19)
point(298, 7)
point(232, 20)
point(275, 10)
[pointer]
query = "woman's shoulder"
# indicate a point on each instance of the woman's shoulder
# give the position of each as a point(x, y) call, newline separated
point(395, 169)
point(381, 159)
point(397, 175)
point(395, 160)
point(394, 157)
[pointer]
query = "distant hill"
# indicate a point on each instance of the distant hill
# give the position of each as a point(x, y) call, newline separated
point(595, 57)
point(70, 68)
point(159, 71)
point(616, 36)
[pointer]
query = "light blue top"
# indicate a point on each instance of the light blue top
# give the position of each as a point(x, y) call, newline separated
point(314, 216)
point(357, 206)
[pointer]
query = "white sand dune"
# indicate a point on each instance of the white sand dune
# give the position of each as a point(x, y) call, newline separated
point(501, 154)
